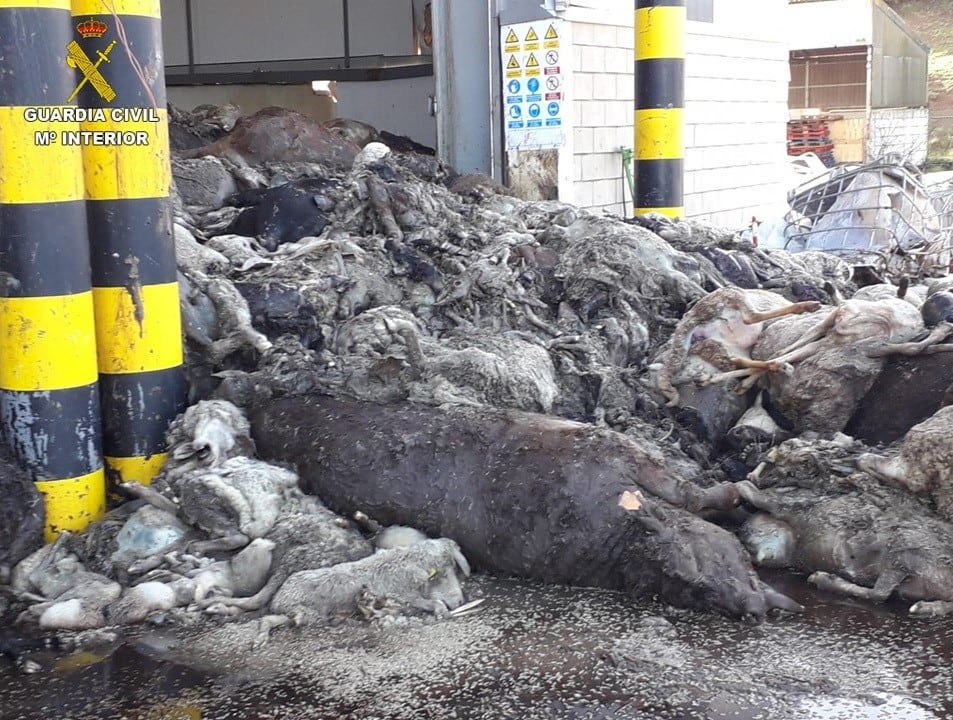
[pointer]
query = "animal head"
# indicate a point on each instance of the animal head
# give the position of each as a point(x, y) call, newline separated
point(444, 560)
point(210, 432)
point(708, 559)
point(937, 308)
point(770, 541)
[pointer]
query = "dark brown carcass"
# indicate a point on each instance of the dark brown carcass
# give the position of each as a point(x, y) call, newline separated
point(524, 494)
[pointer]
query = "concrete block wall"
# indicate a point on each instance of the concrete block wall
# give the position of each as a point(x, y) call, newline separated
point(900, 131)
point(603, 96)
point(736, 81)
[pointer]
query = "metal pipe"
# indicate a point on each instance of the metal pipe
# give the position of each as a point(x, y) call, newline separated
point(659, 106)
point(49, 393)
point(868, 103)
point(134, 275)
point(189, 37)
point(347, 34)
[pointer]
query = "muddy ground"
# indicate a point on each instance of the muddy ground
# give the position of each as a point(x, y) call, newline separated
point(532, 652)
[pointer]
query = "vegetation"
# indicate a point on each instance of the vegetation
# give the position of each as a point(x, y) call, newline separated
point(932, 20)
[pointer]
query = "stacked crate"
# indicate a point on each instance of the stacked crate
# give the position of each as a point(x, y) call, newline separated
point(811, 134)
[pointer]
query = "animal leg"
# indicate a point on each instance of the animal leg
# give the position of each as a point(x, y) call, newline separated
point(931, 608)
point(749, 382)
point(222, 605)
point(727, 375)
point(228, 542)
point(743, 362)
point(265, 625)
point(723, 496)
point(940, 332)
point(780, 601)
point(800, 353)
point(885, 585)
point(168, 555)
point(150, 495)
point(793, 309)
point(750, 493)
point(815, 333)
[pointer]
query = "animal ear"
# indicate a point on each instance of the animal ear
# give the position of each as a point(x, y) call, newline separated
point(183, 451)
point(460, 560)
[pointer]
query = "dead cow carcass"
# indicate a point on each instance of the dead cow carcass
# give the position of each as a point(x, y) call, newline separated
point(525, 494)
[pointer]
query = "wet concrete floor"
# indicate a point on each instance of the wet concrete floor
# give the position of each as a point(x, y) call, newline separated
point(531, 652)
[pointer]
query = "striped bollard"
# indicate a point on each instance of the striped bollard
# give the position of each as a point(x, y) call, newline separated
point(659, 106)
point(49, 396)
point(117, 52)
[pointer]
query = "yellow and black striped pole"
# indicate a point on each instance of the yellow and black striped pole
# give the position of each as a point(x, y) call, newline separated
point(659, 106)
point(119, 66)
point(49, 399)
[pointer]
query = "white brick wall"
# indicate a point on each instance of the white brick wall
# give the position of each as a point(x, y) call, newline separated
point(904, 131)
point(736, 78)
point(603, 94)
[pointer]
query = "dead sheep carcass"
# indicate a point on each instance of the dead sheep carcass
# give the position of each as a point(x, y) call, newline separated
point(818, 515)
point(836, 355)
point(924, 462)
point(264, 531)
point(390, 356)
point(242, 498)
point(231, 500)
point(721, 329)
point(424, 576)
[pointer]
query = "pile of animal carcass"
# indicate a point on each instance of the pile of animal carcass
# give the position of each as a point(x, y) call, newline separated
point(640, 404)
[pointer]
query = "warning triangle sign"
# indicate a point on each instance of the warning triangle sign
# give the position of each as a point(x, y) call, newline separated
point(531, 35)
point(511, 37)
point(532, 61)
point(513, 63)
point(551, 33)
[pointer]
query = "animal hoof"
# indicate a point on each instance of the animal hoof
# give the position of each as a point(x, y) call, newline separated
point(748, 491)
point(28, 667)
point(931, 608)
point(467, 608)
point(781, 602)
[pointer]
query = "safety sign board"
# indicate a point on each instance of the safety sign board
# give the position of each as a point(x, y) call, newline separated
point(534, 93)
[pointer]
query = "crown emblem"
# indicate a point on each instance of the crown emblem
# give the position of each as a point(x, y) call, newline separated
point(92, 28)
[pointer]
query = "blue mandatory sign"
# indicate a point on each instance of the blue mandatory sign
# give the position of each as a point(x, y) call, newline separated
point(553, 108)
point(533, 98)
point(514, 86)
point(533, 84)
point(515, 111)
point(534, 110)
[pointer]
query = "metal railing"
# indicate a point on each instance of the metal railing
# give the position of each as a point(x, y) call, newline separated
point(878, 214)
